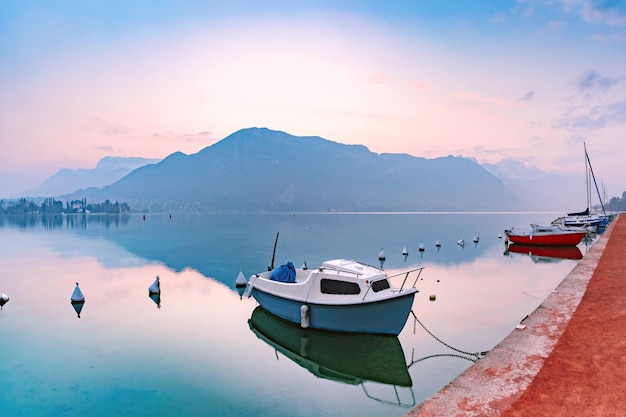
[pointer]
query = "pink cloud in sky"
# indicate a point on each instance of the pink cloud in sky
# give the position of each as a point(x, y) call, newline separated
point(346, 76)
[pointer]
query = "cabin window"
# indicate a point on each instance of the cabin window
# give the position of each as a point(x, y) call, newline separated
point(383, 284)
point(333, 286)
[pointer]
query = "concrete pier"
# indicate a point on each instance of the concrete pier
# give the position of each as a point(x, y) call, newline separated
point(569, 360)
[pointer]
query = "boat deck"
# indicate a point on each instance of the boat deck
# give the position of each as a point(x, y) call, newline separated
point(568, 360)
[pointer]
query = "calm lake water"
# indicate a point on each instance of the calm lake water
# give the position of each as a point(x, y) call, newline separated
point(199, 353)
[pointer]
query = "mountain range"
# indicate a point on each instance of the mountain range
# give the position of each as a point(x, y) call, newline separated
point(259, 169)
point(108, 170)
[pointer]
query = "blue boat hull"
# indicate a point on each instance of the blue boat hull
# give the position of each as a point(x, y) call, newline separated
point(386, 316)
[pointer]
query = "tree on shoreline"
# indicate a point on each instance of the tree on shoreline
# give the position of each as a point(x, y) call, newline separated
point(51, 206)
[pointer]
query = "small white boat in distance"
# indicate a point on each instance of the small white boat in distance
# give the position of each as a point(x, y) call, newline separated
point(438, 243)
point(340, 295)
point(405, 251)
point(421, 247)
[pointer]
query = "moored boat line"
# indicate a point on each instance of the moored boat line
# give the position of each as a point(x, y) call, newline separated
point(542, 366)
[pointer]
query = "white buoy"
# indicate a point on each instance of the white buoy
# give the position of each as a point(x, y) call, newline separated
point(438, 243)
point(241, 280)
point(77, 295)
point(421, 247)
point(3, 300)
point(155, 288)
point(405, 251)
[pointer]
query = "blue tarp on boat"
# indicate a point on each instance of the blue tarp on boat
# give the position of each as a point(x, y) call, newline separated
point(284, 273)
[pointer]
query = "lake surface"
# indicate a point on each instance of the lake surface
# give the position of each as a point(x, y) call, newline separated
point(198, 353)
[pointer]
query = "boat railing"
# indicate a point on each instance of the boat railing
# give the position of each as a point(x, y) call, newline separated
point(406, 277)
point(404, 285)
point(410, 403)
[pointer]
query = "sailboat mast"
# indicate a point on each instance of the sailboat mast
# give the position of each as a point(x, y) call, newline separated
point(594, 180)
point(587, 181)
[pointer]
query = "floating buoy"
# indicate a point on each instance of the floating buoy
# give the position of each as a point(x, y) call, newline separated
point(155, 288)
point(241, 281)
point(432, 297)
point(421, 247)
point(77, 300)
point(77, 295)
point(405, 251)
point(3, 300)
point(381, 258)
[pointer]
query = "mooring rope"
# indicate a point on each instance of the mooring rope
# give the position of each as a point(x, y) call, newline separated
point(453, 355)
point(476, 354)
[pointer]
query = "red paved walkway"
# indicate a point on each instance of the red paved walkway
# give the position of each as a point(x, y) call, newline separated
point(570, 361)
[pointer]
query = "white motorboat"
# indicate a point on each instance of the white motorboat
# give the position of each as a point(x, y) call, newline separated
point(340, 295)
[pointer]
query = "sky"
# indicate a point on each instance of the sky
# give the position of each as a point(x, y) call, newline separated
point(529, 80)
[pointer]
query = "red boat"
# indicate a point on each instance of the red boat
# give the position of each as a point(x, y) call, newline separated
point(546, 235)
point(552, 252)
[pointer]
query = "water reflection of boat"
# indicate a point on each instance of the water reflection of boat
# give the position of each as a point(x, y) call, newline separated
point(351, 358)
point(546, 253)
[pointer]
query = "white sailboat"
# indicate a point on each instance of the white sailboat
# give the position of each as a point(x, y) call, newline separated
point(585, 218)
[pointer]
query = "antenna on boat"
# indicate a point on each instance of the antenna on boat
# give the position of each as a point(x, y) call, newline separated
point(271, 267)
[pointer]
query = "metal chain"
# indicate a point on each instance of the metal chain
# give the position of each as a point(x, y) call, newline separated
point(477, 354)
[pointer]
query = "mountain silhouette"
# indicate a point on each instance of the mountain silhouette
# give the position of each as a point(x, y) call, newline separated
point(259, 169)
point(108, 170)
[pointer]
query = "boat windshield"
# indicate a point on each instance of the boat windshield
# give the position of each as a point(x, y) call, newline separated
point(380, 285)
